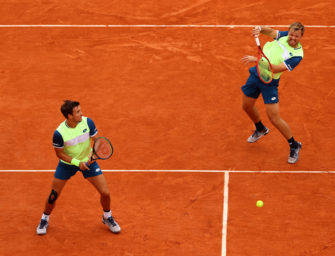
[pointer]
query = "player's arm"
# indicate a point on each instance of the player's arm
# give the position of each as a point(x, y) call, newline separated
point(93, 139)
point(265, 31)
point(279, 68)
point(288, 64)
point(61, 155)
point(93, 136)
point(276, 68)
point(249, 59)
point(93, 129)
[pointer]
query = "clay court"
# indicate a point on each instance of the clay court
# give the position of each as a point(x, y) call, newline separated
point(162, 81)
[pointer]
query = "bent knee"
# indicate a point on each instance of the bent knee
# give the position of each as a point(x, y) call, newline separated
point(52, 197)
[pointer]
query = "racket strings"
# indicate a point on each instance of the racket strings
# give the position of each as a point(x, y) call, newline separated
point(103, 149)
point(264, 68)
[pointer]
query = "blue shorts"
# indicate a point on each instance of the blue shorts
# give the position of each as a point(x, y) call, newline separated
point(66, 171)
point(254, 86)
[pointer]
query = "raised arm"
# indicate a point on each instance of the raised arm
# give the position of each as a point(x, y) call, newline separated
point(265, 31)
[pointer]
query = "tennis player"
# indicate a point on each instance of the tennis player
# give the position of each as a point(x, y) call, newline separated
point(72, 144)
point(285, 53)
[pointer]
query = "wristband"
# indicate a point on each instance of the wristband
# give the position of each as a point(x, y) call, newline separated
point(75, 162)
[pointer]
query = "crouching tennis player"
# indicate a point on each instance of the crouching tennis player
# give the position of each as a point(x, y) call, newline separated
point(72, 144)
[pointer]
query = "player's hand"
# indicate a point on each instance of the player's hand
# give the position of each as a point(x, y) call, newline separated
point(83, 166)
point(256, 31)
point(90, 161)
point(248, 59)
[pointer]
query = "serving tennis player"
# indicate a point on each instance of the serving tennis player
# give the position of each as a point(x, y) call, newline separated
point(285, 53)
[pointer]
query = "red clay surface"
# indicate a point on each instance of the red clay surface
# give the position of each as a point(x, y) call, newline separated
point(159, 213)
point(168, 98)
point(296, 219)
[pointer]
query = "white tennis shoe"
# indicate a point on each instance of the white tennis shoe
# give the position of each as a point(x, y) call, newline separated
point(257, 135)
point(112, 224)
point(42, 227)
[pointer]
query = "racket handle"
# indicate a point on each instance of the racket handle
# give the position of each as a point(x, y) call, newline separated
point(91, 159)
point(257, 41)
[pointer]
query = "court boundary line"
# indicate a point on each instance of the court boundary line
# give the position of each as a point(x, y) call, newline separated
point(146, 26)
point(188, 171)
point(225, 215)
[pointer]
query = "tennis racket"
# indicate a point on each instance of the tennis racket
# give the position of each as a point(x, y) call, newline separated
point(264, 67)
point(102, 149)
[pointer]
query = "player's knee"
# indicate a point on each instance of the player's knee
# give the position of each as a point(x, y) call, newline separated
point(52, 197)
point(105, 193)
point(274, 118)
point(247, 106)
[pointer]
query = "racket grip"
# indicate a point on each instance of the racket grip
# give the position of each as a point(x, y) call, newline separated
point(257, 41)
point(91, 159)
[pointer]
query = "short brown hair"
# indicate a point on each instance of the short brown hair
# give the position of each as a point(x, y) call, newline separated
point(68, 106)
point(297, 26)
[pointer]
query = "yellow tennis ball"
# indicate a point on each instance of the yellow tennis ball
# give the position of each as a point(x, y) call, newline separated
point(259, 203)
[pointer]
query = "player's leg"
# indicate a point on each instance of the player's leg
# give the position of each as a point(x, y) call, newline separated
point(99, 182)
point(56, 188)
point(62, 175)
point(272, 111)
point(97, 179)
point(250, 95)
point(248, 105)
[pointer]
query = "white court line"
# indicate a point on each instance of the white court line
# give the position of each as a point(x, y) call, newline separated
point(146, 26)
point(225, 215)
point(190, 171)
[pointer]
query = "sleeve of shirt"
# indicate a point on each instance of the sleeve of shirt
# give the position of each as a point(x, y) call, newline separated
point(281, 34)
point(291, 63)
point(91, 125)
point(57, 139)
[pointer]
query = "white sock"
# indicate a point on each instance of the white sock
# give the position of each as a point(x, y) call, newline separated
point(107, 214)
point(45, 217)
